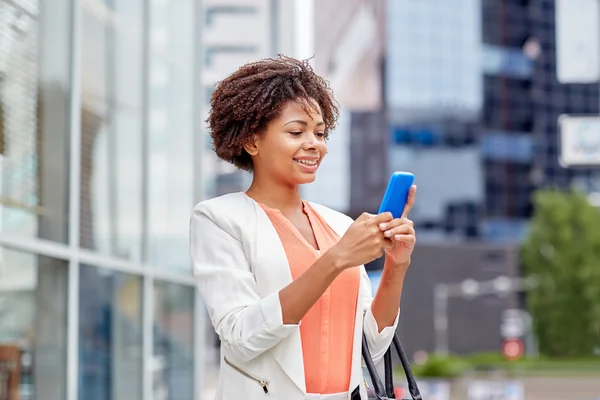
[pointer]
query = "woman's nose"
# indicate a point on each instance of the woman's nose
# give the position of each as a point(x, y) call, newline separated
point(312, 141)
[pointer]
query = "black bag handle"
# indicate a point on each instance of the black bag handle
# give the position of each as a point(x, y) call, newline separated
point(387, 392)
point(389, 374)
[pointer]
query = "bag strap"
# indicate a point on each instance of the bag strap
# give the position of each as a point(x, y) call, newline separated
point(389, 374)
point(387, 392)
point(412, 383)
point(375, 379)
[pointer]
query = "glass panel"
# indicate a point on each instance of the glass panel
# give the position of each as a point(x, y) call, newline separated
point(33, 326)
point(34, 94)
point(110, 335)
point(173, 342)
point(111, 159)
point(171, 132)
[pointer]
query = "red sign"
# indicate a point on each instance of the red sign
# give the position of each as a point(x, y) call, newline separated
point(399, 392)
point(512, 349)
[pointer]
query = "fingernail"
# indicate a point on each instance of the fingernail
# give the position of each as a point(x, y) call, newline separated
point(382, 226)
point(388, 233)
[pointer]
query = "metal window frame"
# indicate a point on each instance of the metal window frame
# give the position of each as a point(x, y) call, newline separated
point(64, 252)
point(199, 189)
point(74, 204)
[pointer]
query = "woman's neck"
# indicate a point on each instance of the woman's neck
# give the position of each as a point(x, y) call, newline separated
point(275, 195)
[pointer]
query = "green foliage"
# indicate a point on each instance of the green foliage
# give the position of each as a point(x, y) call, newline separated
point(438, 366)
point(453, 366)
point(536, 365)
point(563, 250)
point(486, 358)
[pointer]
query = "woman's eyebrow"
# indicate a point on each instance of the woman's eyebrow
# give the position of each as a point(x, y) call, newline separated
point(302, 122)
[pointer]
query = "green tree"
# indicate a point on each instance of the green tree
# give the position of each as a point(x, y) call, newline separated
point(563, 250)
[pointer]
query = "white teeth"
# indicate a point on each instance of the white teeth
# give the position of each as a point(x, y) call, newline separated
point(307, 162)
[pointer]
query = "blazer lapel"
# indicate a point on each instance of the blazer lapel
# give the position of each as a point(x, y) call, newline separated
point(272, 271)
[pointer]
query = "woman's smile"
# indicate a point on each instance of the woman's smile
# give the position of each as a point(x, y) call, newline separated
point(308, 164)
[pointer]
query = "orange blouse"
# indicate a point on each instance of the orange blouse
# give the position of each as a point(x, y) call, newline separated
point(327, 330)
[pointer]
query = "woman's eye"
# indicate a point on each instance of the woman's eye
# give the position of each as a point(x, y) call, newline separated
point(320, 134)
point(296, 133)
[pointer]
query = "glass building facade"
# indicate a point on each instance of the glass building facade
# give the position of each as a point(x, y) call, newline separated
point(97, 177)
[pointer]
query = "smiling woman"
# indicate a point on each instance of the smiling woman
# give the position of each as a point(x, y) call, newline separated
point(283, 278)
point(293, 145)
point(244, 103)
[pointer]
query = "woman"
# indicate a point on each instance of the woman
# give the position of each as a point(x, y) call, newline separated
point(282, 278)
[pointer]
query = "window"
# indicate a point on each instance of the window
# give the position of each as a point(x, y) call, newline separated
point(34, 116)
point(111, 129)
point(506, 61)
point(110, 335)
point(507, 146)
point(33, 325)
point(212, 12)
point(171, 134)
point(173, 354)
point(214, 52)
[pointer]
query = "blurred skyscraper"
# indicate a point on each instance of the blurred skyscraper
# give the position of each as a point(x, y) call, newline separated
point(473, 105)
point(552, 99)
point(434, 96)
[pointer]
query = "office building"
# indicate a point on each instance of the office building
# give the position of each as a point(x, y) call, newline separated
point(523, 102)
point(434, 99)
point(473, 105)
point(97, 167)
point(553, 99)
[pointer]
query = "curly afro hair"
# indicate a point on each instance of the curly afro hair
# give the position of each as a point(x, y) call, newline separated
point(245, 102)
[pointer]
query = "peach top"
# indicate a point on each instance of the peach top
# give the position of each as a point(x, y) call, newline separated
point(327, 330)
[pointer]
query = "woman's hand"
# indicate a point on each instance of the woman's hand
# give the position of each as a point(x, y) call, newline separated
point(402, 233)
point(363, 242)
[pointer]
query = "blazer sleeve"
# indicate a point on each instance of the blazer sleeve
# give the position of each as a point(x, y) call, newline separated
point(247, 323)
point(379, 342)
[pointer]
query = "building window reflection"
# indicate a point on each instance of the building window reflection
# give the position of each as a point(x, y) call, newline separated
point(34, 89)
point(111, 128)
point(173, 367)
point(170, 133)
point(33, 326)
point(110, 335)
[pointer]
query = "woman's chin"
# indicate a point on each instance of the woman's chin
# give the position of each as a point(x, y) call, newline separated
point(304, 179)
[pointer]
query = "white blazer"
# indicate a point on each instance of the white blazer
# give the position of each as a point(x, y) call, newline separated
point(240, 265)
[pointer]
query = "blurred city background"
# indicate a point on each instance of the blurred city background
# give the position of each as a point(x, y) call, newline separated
point(492, 104)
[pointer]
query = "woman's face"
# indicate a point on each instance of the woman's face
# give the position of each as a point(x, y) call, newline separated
point(293, 146)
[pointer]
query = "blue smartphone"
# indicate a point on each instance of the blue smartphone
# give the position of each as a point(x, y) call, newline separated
point(396, 194)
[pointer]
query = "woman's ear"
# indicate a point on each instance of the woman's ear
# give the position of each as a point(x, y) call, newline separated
point(251, 147)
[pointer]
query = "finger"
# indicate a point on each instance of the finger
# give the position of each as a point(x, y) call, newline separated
point(409, 239)
point(364, 217)
point(384, 226)
point(383, 217)
point(400, 230)
point(410, 201)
